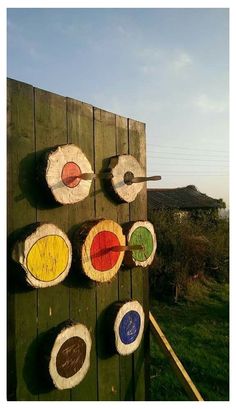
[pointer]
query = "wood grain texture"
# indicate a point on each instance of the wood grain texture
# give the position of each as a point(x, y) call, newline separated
point(70, 356)
point(128, 327)
point(105, 146)
point(83, 297)
point(64, 166)
point(21, 303)
point(140, 233)
point(51, 130)
point(124, 275)
point(95, 243)
point(37, 121)
point(124, 169)
point(138, 210)
point(45, 254)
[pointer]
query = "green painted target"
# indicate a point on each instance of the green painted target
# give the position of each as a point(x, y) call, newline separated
point(143, 236)
point(141, 239)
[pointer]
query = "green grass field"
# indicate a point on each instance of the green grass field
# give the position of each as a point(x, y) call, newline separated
point(198, 331)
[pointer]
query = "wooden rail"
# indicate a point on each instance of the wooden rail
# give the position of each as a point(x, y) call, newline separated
point(181, 373)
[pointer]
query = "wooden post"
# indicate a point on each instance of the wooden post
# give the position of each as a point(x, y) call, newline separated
point(181, 373)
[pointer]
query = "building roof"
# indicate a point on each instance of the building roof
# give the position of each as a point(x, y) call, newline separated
point(184, 198)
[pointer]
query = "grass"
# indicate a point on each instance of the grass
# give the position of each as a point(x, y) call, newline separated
point(198, 331)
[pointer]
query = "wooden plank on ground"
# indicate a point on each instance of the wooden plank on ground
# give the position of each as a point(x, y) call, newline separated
point(138, 211)
point(124, 276)
point(22, 302)
point(53, 302)
point(107, 293)
point(180, 371)
point(83, 296)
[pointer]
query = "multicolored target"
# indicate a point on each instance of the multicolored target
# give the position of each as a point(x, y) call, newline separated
point(128, 327)
point(125, 177)
point(45, 255)
point(140, 233)
point(100, 244)
point(70, 356)
point(66, 171)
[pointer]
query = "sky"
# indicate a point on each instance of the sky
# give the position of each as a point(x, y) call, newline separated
point(168, 68)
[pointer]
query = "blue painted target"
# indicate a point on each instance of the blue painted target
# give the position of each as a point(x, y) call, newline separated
point(129, 327)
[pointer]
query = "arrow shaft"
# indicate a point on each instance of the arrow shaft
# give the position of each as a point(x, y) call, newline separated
point(139, 179)
point(127, 248)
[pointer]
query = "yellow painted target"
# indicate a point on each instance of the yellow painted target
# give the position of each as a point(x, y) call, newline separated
point(45, 255)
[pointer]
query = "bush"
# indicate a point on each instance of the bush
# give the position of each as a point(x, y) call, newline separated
point(188, 247)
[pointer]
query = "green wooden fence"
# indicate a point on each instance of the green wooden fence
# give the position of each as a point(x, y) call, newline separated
point(37, 120)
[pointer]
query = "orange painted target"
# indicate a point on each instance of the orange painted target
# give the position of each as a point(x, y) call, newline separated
point(100, 244)
point(64, 169)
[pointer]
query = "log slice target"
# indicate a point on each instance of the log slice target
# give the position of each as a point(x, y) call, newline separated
point(45, 255)
point(140, 233)
point(123, 168)
point(70, 356)
point(128, 327)
point(64, 168)
point(97, 244)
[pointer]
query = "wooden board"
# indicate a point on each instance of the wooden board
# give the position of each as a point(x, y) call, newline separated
point(107, 293)
point(22, 303)
point(124, 277)
point(83, 297)
point(53, 303)
point(138, 211)
point(37, 121)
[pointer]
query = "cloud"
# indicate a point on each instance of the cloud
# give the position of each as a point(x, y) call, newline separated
point(181, 61)
point(154, 58)
point(150, 54)
point(208, 105)
point(150, 59)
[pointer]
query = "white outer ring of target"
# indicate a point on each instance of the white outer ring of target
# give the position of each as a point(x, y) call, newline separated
point(78, 330)
point(126, 163)
point(55, 163)
point(126, 349)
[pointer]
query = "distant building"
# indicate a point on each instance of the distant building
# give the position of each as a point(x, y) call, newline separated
point(183, 200)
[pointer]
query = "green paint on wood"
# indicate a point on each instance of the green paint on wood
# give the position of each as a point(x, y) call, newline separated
point(124, 277)
point(22, 303)
point(38, 120)
point(143, 236)
point(138, 211)
point(107, 293)
point(53, 302)
point(83, 297)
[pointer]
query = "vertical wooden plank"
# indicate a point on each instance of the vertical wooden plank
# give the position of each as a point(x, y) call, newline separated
point(124, 277)
point(22, 308)
point(53, 302)
point(33, 125)
point(138, 210)
point(107, 293)
point(83, 297)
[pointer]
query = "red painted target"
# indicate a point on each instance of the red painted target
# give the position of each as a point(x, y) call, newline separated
point(98, 245)
point(70, 174)
point(102, 256)
point(65, 165)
